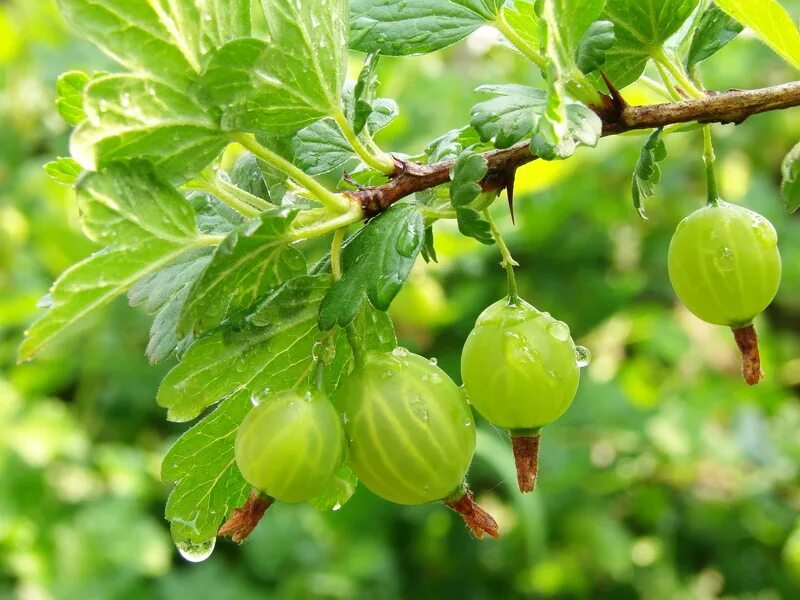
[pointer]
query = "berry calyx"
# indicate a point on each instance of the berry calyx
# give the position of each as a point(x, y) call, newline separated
point(725, 267)
point(520, 372)
point(290, 445)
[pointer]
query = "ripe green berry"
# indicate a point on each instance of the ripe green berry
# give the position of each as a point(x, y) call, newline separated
point(724, 264)
point(725, 267)
point(290, 445)
point(410, 429)
point(521, 370)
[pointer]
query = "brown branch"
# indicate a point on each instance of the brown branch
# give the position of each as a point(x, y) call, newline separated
point(733, 106)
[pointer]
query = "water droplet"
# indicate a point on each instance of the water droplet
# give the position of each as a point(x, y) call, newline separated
point(553, 374)
point(316, 350)
point(559, 330)
point(725, 259)
point(103, 106)
point(435, 378)
point(196, 552)
point(407, 241)
point(400, 352)
point(258, 398)
point(467, 424)
point(308, 397)
point(582, 356)
point(46, 302)
point(387, 288)
point(345, 418)
point(336, 506)
point(434, 361)
point(387, 374)
point(764, 231)
point(125, 100)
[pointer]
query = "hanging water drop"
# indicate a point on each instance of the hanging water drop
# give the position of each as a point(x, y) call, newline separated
point(582, 356)
point(196, 552)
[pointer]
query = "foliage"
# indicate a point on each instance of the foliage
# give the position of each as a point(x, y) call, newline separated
point(660, 478)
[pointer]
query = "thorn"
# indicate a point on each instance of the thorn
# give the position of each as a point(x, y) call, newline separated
point(347, 178)
point(510, 194)
point(618, 102)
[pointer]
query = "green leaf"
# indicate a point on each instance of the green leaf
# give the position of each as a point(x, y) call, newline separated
point(375, 264)
point(214, 217)
point(269, 349)
point(227, 77)
point(147, 224)
point(596, 41)
point(641, 28)
point(770, 21)
point(714, 30)
point(253, 258)
point(64, 171)
point(429, 248)
point(135, 116)
point(790, 187)
point(167, 38)
point(208, 483)
point(298, 77)
point(647, 172)
point(318, 148)
point(583, 128)
point(469, 170)
point(410, 27)
point(451, 144)
point(70, 96)
point(127, 205)
point(247, 175)
point(516, 113)
point(93, 283)
point(163, 295)
point(364, 91)
point(521, 16)
point(508, 117)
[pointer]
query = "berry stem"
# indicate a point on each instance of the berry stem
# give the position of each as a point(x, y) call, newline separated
point(747, 341)
point(708, 159)
point(243, 520)
point(526, 459)
point(478, 520)
point(508, 262)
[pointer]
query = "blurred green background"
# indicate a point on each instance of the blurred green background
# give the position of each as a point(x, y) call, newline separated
point(668, 478)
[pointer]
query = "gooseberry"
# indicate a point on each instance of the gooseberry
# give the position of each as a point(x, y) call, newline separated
point(725, 268)
point(520, 372)
point(411, 433)
point(290, 445)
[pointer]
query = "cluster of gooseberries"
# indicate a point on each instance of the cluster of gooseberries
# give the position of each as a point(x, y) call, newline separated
point(407, 430)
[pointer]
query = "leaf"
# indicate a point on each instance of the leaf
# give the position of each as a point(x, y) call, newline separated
point(596, 41)
point(127, 204)
point(409, 27)
point(269, 349)
point(70, 96)
point(515, 114)
point(469, 170)
point(770, 21)
point(451, 144)
point(375, 264)
point(64, 171)
point(227, 77)
point(428, 248)
point(364, 91)
point(147, 224)
point(790, 186)
point(522, 18)
point(93, 283)
point(247, 175)
point(508, 117)
point(253, 258)
point(584, 128)
point(298, 77)
point(714, 30)
point(163, 295)
point(641, 29)
point(647, 172)
point(166, 38)
point(338, 492)
point(208, 483)
point(319, 148)
point(135, 116)
point(213, 216)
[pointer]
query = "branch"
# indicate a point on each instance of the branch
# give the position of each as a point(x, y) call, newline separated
point(733, 106)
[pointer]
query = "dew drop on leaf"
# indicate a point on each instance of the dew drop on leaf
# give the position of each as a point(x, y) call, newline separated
point(407, 241)
point(196, 552)
point(400, 352)
point(582, 356)
point(559, 330)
